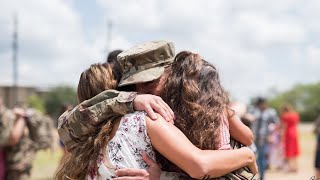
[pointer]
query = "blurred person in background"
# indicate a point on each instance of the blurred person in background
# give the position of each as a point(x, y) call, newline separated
point(317, 155)
point(265, 116)
point(16, 144)
point(112, 59)
point(275, 147)
point(2, 139)
point(246, 118)
point(289, 121)
point(23, 133)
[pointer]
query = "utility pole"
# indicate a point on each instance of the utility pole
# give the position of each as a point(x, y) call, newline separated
point(15, 58)
point(109, 36)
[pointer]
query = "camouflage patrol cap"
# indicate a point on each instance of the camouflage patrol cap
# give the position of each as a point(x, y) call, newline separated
point(145, 62)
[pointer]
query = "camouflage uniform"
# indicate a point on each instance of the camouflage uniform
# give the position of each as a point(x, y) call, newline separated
point(7, 118)
point(6, 123)
point(19, 157)
point(110, 104)
point(40, 129)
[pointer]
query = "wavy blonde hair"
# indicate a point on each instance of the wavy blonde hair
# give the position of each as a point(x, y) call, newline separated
point(82, 161)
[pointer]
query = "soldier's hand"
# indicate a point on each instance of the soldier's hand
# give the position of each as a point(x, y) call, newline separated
point(19, 112)
point(153, 172)
point(151, 103)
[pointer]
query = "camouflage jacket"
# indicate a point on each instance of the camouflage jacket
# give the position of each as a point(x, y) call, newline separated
point(40, 129)
point(7, 119)
point(108, 105)
point(21, 155)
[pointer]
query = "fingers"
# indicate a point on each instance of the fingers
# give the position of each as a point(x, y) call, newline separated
point(161, 110)
point(131, 172)
point(255, 171)
point(148, 160)
point(150, 112)
point(166, 108)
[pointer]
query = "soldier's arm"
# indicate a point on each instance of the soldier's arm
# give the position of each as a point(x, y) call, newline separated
point(11, 128)
point(17, 131)
point(107, 105)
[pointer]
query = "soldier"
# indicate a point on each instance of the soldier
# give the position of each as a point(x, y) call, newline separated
point(16, 144)
point(143, 67)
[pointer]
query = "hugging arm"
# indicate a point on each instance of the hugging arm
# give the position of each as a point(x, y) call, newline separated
point(108, 105)
point(176, 147)
point(238, 130)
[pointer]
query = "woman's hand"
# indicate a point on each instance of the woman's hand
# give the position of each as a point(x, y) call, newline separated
point(252, 165)
point(153, 172)
point(151, 103)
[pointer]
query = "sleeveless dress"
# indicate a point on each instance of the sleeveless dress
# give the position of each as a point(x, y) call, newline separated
point(125, 149)
point(291, 143)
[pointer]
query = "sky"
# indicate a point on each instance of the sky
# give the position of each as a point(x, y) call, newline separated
point(257, 46)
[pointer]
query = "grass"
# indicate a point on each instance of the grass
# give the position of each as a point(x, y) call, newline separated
point(46, 162)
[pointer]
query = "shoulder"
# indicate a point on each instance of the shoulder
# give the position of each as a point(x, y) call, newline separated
point(158, 125)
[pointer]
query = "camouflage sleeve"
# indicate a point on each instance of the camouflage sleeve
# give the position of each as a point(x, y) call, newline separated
point(7, 121)
point(108, 105)
point(169, 176)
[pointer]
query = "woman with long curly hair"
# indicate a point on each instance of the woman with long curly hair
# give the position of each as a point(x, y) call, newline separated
point(194, 92)
point(201, 105)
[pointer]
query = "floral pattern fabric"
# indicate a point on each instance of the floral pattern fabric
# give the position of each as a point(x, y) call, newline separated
point(125, 149)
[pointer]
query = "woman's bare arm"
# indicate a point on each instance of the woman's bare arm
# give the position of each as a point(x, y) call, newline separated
point(175, 146)
point(238, 130)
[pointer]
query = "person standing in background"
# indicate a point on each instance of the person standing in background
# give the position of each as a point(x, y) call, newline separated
point(4, 135)
point(12, 138)
point(112, 59)
point(289, 122)
point(317, 157)
point(265, 116)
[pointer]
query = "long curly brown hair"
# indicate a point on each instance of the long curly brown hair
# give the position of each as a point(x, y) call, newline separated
point(194, 92)
point(82, 160)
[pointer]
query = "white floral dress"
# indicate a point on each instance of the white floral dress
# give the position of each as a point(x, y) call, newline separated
point(125, 149)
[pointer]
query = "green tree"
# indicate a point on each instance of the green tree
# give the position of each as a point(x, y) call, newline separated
point(57, 97)
point(304, 98)
point(36, 102)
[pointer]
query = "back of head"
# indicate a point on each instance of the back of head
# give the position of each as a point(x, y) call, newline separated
point(94, 80)
point(194, 93)
point(112, 59)
point(287, 108)
point(112, 56)
point(260, 100)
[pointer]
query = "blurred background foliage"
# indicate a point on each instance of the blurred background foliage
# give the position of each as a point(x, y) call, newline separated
point(304, 98)
point(57, 97)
